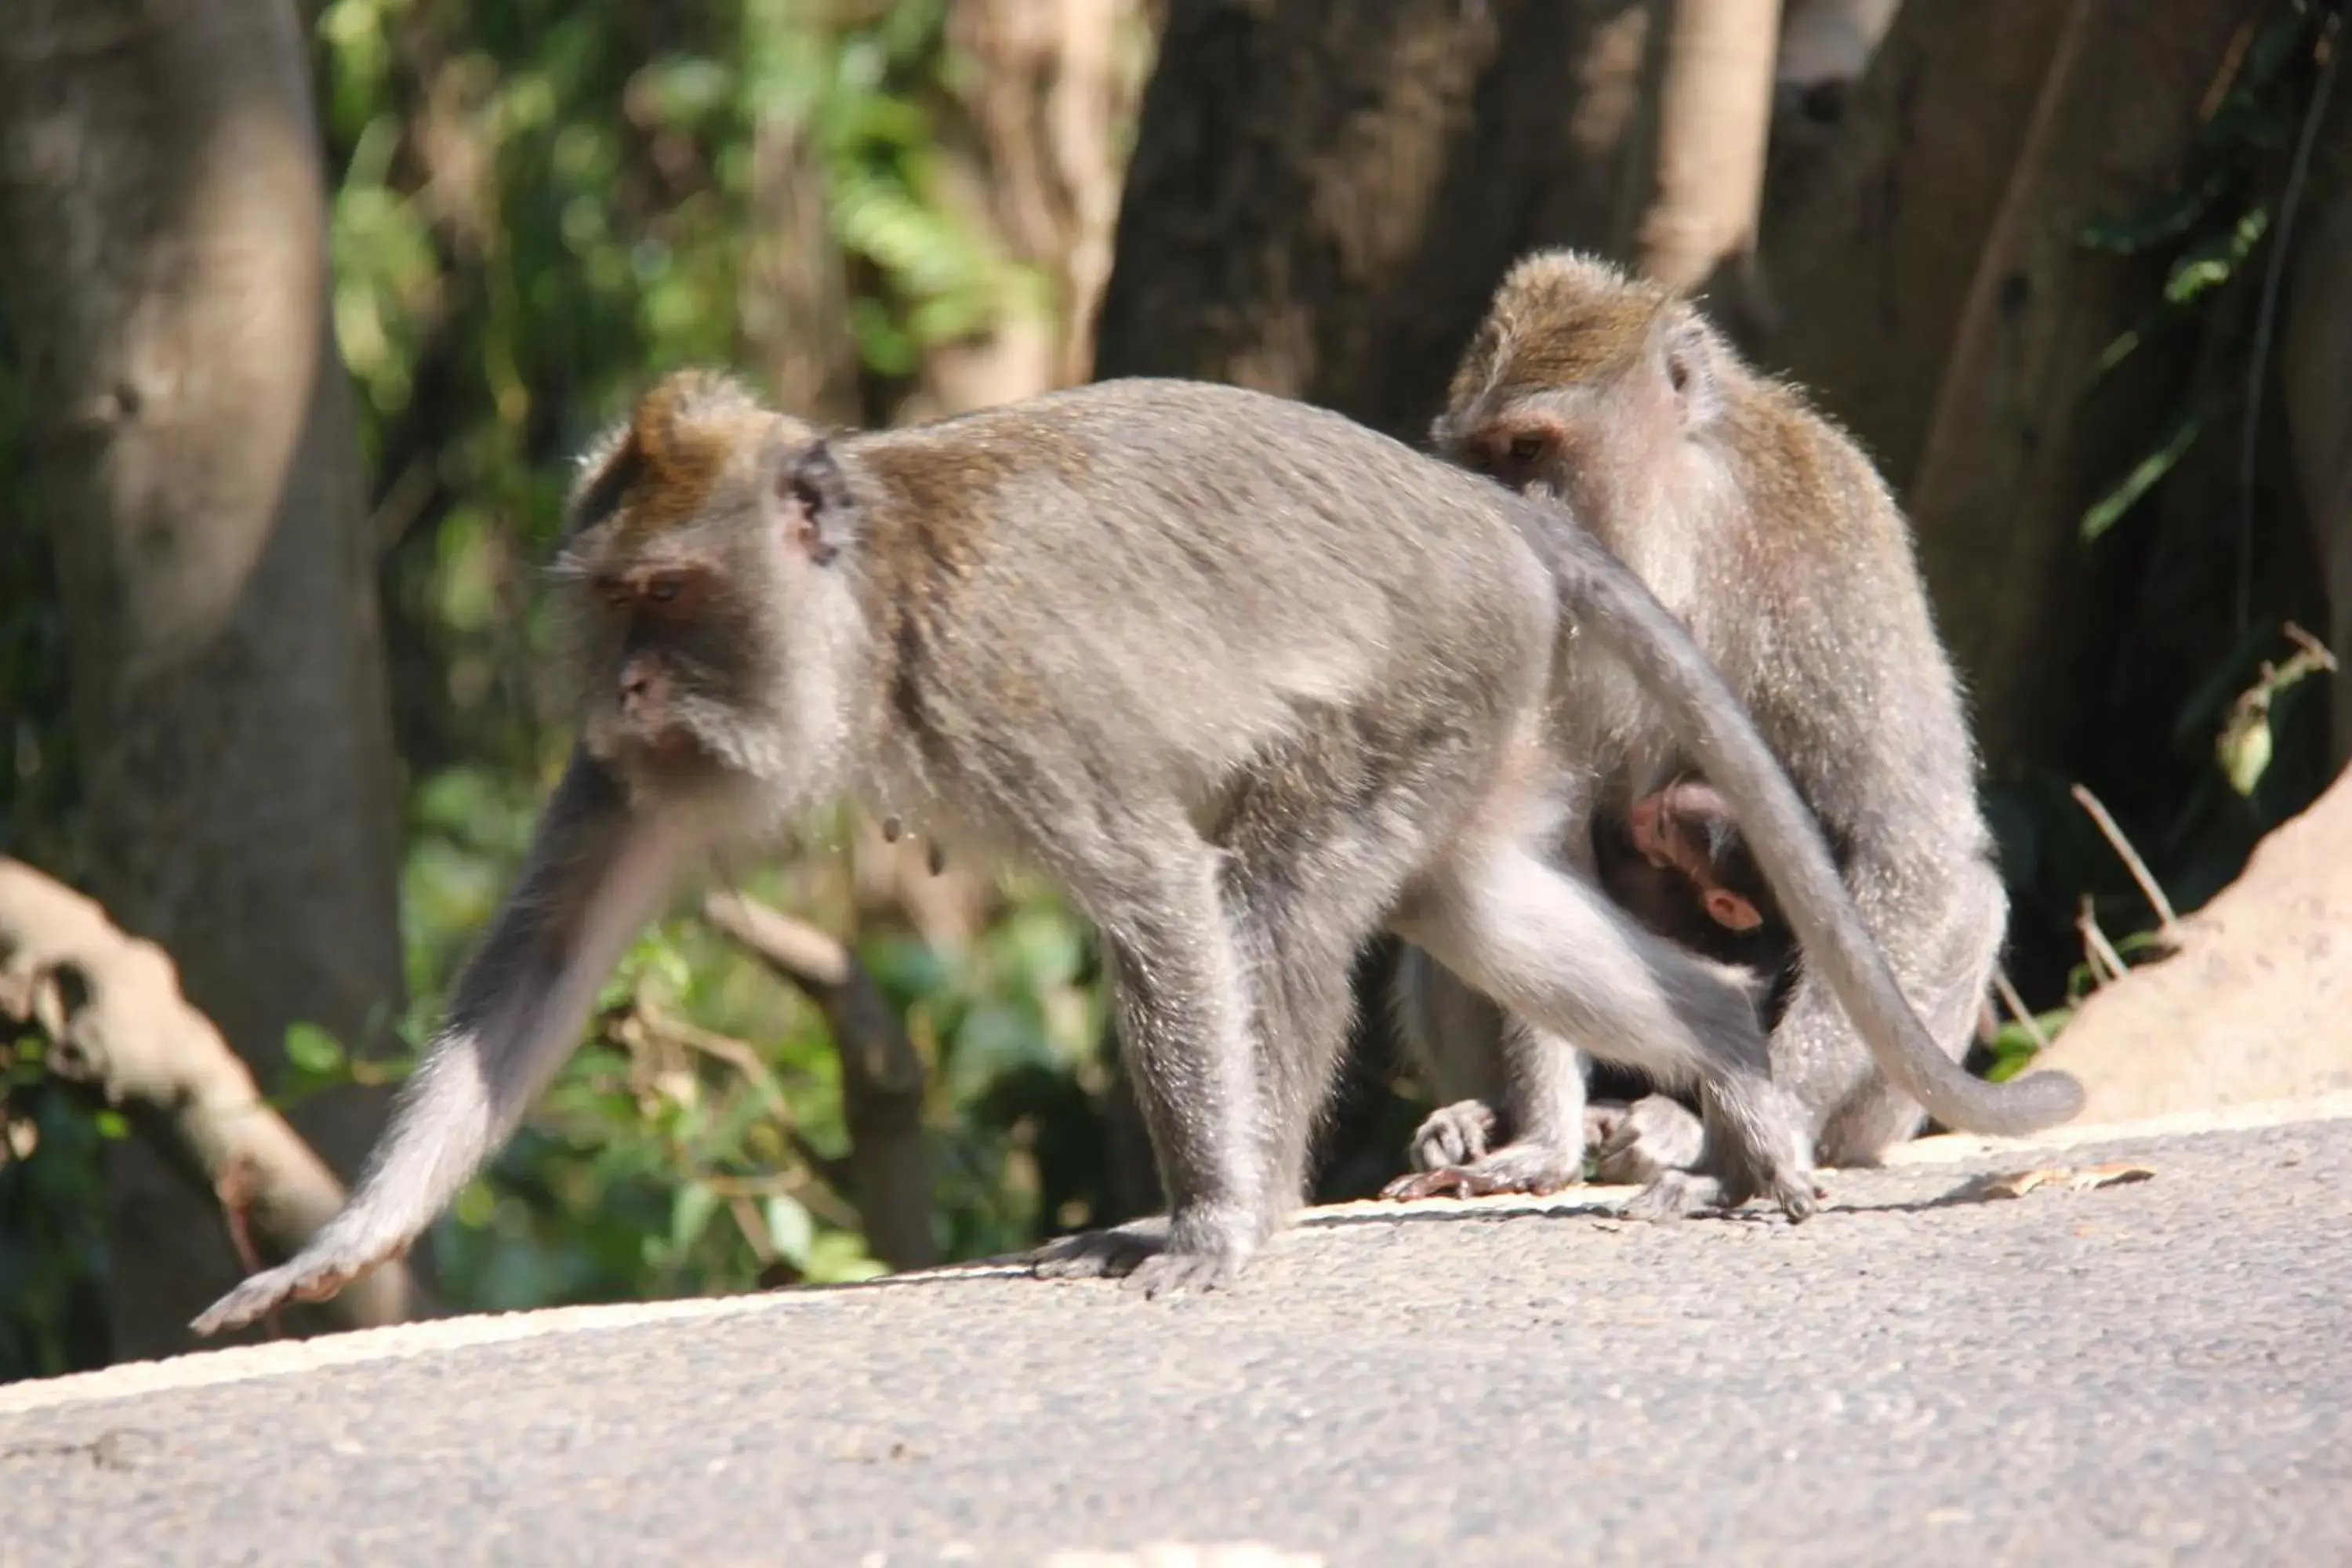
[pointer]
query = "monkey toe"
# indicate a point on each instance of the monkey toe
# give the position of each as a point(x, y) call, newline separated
point(1675, 1194)
point(1177, 1273)
point(1446, 1181)
point(1097, 1254)
point(1799, 1196)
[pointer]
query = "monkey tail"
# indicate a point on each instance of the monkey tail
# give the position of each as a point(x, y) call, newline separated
point(1608, 600)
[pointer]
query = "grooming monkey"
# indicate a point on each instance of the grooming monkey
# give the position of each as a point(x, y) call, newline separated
point(1771, 536)
point(1206, 659)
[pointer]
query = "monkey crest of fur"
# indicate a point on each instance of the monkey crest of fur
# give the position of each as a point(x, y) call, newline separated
point(685, 481)
point(1560, 318)
point(693, 435)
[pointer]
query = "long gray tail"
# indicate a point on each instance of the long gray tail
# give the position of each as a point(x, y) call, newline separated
point(1610, 601)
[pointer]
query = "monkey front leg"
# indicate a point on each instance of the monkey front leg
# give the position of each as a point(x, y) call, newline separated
point(1184, 1014)
point(595, 875)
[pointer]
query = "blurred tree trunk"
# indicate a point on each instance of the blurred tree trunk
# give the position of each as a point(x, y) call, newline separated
point(1826, 49)
point(1323, 196)
point(2315, 347)
point(1036, 151)
point(1829, 41)
point(1698, 165)
point(1935, 298)
point(161, 193)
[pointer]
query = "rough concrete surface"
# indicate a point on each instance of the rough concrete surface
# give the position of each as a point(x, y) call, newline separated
point(2154, 1370)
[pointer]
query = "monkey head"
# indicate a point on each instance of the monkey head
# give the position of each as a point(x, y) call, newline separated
point(1686, 828)
point(706, 617)
point(1581, 385)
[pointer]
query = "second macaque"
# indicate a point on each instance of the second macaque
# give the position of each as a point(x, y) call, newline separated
point(1768, 533)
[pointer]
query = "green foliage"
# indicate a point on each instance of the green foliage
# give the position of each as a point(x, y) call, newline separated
point(2248, 742)
point(2142, 476)
point(52, 1171)
point(536, 209)
point(514, 260)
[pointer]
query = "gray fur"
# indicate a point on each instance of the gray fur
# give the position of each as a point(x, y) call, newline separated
point(1206, 659)
point(1769, 534)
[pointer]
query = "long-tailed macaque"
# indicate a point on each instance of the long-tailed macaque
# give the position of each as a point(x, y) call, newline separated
point(1207, 658)
point(1765, 529)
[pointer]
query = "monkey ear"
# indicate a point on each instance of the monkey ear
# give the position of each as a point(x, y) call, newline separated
point(809, 497)
point(1686, 359)
point(1731, 912)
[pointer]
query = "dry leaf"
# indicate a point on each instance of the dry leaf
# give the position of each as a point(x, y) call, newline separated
point(2017, 1184)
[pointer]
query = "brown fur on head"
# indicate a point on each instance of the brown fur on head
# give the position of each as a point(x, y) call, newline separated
point(690, 433)
point(698, 555)
point(1564, 330)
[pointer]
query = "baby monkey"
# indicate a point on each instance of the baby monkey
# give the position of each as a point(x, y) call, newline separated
point(1695, 881)
point(1251, 682)
point(1764, 528)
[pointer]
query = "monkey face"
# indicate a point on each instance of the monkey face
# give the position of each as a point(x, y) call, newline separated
point(669, 656)
point(652, 705)
point(1537, 446)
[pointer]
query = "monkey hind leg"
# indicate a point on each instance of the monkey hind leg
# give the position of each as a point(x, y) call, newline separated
point(1948, 983)
point(1555, 951)
point(1310, 884)
point(1468, 1150)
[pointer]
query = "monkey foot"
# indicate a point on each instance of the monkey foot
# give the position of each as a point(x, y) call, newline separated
point(1636, 1144)
point(1112, 1254)
point(1456, 1134)
point(1676, 1194)
point(1533, 1170)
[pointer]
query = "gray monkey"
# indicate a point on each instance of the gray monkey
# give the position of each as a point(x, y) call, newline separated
point(1197, 654)
point(1770, 535)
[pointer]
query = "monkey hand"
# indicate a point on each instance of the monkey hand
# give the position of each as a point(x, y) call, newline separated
point(1456, 1134)
point(319, 1273)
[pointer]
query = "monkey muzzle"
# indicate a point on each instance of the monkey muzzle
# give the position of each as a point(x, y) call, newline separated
point(645, 722)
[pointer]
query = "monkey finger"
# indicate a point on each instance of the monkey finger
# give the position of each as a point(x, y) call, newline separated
point(1453, 1134)
point(1447, 1182)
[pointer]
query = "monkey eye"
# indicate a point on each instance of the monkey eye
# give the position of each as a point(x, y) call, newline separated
point(1525, 450)
point(666, 588)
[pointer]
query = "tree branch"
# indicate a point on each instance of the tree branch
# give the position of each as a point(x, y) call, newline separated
point(111, 1006)
point(881, 1076)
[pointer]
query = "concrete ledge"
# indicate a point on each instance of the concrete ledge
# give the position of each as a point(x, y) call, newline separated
point(246, 1362)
